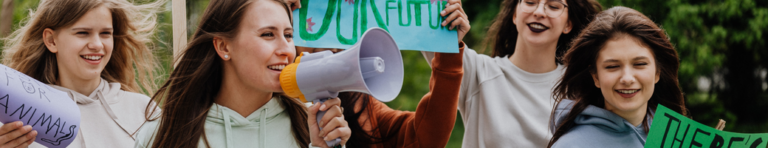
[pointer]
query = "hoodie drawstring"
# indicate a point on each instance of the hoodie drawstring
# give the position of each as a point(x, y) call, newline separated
point(227, 128)
point(106, 105)
point(262, 128)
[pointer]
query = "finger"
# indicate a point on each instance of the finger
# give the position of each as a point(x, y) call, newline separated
point(15, 134)
point(296, 5)
point(330, 102)
point(451, 18)
point(313, 114)
point(332, 125)
point(457, 22)
point(333, 111)
point(342, 132)
point(449, 8)
point(5, 129)
point(454, 1)
point(24, 139)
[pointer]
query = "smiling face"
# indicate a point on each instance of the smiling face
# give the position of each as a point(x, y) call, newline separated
point(541, 25)
point(262, 46)
point(84, 48)
point(626, 74)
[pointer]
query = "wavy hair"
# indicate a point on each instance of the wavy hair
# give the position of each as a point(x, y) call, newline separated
point(189, 93)
point(132, 64)
point(501, 37)
point(577, 83)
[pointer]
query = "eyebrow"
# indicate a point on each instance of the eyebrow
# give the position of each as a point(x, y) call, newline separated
point(89, 29)
point(273, 28)
point(633, 59)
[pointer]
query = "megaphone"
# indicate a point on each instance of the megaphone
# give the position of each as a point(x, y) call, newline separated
point(373, 66)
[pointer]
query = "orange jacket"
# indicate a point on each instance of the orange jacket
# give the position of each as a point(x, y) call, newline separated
point(432, 123)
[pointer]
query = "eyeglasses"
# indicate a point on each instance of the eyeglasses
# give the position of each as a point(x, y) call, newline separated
point(553, 8)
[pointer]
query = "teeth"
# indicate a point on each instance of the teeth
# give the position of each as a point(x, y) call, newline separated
point(276, 67)
point(627, 91)
point(537, 26)
point(92, 57)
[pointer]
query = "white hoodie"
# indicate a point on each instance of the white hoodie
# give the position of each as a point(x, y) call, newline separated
point(109, 116)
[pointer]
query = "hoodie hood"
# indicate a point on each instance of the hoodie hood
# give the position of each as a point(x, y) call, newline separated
point(228, 118)
point(602, 119)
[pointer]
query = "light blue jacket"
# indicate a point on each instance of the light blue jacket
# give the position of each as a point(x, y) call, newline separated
point(596, 127)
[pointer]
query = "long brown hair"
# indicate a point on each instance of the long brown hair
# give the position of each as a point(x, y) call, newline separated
point(577, 83)
point(190, 91)
point(502, 35)
point(132, 64)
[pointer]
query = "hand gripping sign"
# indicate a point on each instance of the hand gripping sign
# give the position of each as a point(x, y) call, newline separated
point(50, 112)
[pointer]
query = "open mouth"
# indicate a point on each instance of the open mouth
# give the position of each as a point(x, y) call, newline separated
point(537, 27)
point(278, 67)
point(627, 93)
point(91, 57)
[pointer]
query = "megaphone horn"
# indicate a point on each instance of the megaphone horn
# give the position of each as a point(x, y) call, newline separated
point(373, 66)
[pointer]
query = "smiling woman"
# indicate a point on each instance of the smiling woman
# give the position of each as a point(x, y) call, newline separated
point(97, 52)
point(619, 69)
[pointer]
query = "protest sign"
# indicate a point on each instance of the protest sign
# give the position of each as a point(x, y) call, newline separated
point(670, 129)
point(414, 24)
point(50, 112)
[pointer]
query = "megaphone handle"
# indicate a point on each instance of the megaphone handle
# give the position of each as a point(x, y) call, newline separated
point(320, 114)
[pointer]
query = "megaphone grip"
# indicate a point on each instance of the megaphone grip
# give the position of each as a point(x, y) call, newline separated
point(320, 114)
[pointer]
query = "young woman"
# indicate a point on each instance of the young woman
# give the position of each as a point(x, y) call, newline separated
point(618, 71)
point(505, 98)
point(96, 51)
point(224, 91)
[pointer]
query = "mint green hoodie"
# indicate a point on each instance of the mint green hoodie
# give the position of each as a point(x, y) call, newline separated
point(267, 127)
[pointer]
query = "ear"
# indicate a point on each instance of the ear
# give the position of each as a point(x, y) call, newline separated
point(221, 48)
point(49, 40)
point(658, 77)
point(514, 17)
point(594, 78)
point(568, 27)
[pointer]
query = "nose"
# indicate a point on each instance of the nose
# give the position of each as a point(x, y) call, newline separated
point(627, 77)
point(285, 48)
point(95, 43)
point(539, 12)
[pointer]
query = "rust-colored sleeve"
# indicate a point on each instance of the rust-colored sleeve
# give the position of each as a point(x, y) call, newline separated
point(432, 123)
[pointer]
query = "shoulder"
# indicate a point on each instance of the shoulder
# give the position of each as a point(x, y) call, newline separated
point(590, 136)
point(146, 134)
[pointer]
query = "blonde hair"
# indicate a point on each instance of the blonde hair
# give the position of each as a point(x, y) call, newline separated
point(132, 64)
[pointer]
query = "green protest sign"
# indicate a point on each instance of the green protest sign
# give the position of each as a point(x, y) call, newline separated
point(670, 129)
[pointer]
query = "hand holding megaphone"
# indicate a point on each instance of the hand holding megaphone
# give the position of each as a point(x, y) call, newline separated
point(373, 66)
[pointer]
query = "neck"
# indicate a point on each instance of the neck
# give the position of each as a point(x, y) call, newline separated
point(82, 86)
point(634, 117)
point(237, 96)
point(534, 58)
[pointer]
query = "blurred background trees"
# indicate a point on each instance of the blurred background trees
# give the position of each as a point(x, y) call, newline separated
point(721, 44)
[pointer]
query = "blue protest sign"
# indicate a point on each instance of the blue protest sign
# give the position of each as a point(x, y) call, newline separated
point(414, 24)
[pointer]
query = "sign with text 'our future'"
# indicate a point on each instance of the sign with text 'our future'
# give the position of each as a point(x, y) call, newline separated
point(50, 112)
point(414, 24)
point(672, 130)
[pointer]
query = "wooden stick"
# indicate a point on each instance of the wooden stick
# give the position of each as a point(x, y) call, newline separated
point(720, 125)
point(6, 19)
point(179, 18)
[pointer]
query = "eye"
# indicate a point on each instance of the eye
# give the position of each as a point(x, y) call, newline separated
point(553, 7)
point(289, 35)
point(611, 66)
point(106, 33)
point(268, 34)
point(641, 64)
point(81, 33)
